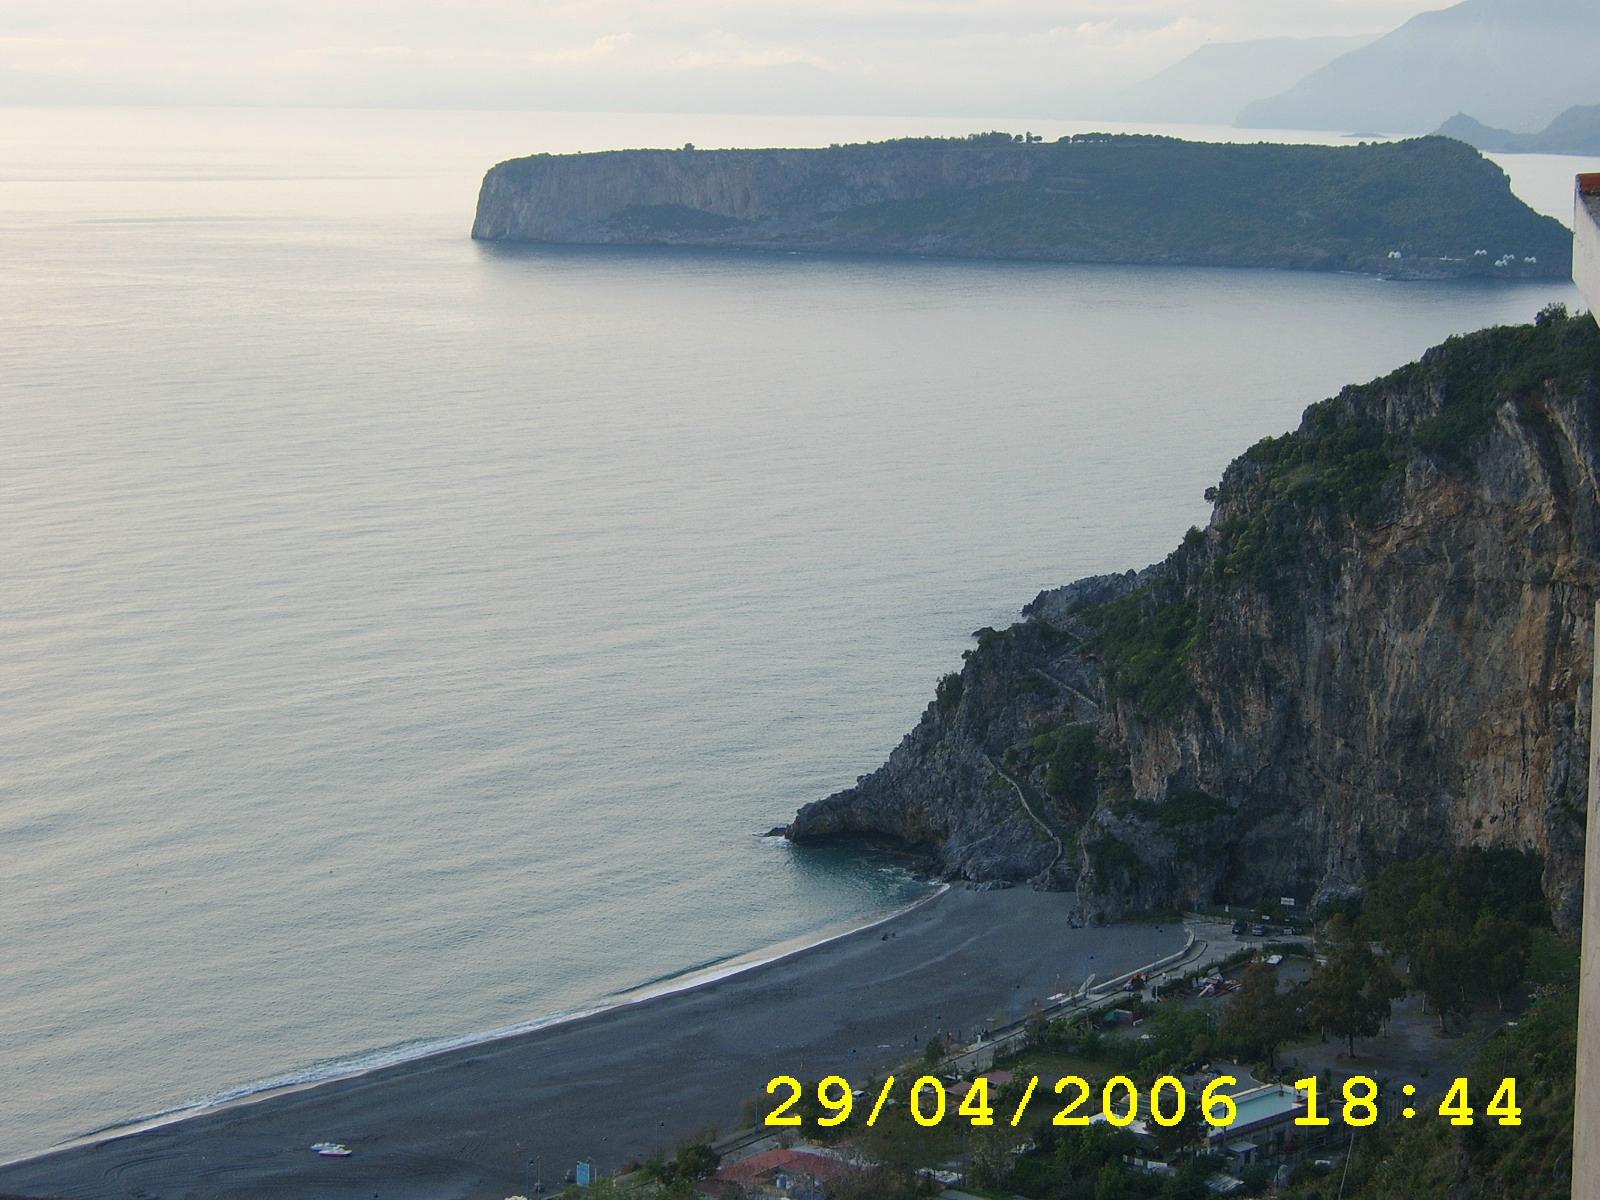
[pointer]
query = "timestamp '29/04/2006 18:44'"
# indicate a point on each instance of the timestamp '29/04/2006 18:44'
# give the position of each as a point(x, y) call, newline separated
point(833, 1102)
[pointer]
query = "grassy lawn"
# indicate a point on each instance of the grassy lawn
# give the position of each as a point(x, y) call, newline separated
point(1051, 1065)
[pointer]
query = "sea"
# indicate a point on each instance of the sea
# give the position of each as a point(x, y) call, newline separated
point(404, 639)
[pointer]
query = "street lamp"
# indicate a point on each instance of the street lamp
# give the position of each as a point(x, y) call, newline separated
point(530, 1170)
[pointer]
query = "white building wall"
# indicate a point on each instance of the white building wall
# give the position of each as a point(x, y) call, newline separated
point(1586, 247)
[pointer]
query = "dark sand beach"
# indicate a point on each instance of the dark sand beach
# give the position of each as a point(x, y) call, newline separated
point(617, 1084)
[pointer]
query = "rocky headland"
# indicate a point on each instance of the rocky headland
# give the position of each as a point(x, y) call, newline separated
point(1424, 208)
point(1575, 131)
point(1378, 647)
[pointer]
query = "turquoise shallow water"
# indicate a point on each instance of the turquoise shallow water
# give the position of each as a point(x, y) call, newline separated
point(403, 638)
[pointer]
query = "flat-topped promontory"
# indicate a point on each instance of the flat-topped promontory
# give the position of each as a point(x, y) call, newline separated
point(1422, 208)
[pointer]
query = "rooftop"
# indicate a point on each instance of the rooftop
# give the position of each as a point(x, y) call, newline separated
point(1260, 1107)
point(763, 1168)
point(1266, 1102)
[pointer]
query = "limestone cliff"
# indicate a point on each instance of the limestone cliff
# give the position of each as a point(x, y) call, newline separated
point(1425, 208)
point(1379, 646)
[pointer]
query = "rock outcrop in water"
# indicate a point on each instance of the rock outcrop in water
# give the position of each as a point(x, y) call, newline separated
point(1426, 208)
point(1378, 647)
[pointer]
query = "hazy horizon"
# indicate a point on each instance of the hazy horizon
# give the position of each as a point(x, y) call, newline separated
point(914, 57)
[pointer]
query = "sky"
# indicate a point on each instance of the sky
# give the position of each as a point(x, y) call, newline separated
point(931, 57)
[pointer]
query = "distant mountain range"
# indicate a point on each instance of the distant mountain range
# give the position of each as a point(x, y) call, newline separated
point(1211, 85)
point(1511, 63)
point(1576, 131)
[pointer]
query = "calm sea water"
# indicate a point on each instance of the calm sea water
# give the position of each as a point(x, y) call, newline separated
point(403, 638)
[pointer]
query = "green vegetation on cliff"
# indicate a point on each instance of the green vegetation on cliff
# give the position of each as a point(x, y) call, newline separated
point(1342, 467)
point(1072, 755)
point(1508, 363)
point(1338, 464)
point(1136, 198)
point(1343, 461)
point(1144, 644)
point(1185, 806)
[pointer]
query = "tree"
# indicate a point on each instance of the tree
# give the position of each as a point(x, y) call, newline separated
point(1178, 1036)
point(1111, 1183)
point(1444, 970)
point(696, 1161)
point(877, 1183)
point(1500, 952)
point(933, 1052)
point(611, 1189)
point(1352, 994)
point(1258, 1019)
point(1190, 1181)
point(1171, 1141)
point(1383, 989)
point(1075, 1157)
point(989, 1157)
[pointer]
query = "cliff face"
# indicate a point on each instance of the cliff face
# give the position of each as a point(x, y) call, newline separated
point(1424, 208)
point(711, 195)
point(951, 789)
point(1378, 647)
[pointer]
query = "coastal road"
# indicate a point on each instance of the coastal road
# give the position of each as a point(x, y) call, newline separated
point(615, 1085)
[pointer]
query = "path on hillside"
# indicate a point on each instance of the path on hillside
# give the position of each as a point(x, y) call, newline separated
point(1044, 873)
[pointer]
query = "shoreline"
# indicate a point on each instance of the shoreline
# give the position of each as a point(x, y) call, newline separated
point(625, 1081)
point(383, 1058)
point(529, 247)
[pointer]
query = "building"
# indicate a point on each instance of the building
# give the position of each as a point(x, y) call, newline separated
point(1586, 241)
point(1264, 1128)
point(780, 1174)
point(1586, 1109)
